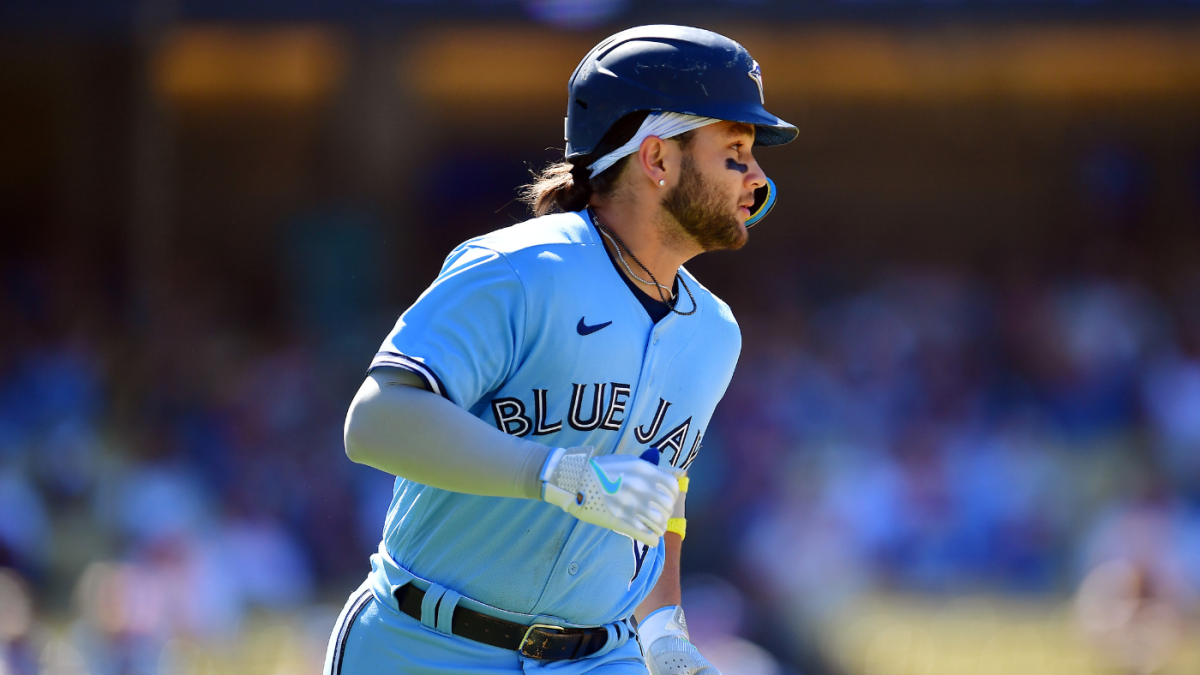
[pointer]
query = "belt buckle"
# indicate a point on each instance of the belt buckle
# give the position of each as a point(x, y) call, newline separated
point(525, 638)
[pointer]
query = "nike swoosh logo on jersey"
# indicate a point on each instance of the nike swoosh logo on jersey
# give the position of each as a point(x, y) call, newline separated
point(610, 486)
point(585, 329)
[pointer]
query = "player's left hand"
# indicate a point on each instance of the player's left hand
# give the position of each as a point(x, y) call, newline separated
point(664, 639)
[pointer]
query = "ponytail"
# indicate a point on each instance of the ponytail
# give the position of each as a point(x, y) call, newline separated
point(566, 185)
point(560, 187)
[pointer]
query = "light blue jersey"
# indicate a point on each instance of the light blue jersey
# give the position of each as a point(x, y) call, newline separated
point(532, 329)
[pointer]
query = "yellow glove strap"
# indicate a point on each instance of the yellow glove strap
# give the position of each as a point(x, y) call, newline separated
point(678, 526)
point(683, 484)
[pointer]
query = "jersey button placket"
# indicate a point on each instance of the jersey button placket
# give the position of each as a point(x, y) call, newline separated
point(651, 358)
point(573, 569)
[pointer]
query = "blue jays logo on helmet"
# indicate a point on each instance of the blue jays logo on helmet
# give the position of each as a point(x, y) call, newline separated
point(756, 75)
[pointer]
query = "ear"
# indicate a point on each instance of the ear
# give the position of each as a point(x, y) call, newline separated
point(654, 160)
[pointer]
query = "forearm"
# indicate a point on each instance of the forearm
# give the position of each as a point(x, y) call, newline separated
point(666, 592)
point(409, 432)
point(662, 633)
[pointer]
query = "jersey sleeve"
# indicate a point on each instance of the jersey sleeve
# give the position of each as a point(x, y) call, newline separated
point(461, 336)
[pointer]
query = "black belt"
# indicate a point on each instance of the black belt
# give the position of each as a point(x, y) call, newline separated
point(539, 641)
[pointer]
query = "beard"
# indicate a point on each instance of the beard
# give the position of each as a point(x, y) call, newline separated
point(704, 212)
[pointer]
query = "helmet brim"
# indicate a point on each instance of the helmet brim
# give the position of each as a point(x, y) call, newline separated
point(768, 129)
point(777, 134)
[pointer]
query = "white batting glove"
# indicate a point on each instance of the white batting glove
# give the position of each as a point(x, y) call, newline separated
point(623, 493)
point(665, 643)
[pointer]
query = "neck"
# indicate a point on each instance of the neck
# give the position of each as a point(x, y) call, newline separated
point(657, 243)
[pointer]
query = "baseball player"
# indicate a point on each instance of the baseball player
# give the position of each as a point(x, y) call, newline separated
point(541, 402)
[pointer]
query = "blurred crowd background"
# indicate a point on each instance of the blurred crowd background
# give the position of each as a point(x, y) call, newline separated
point(964, 432)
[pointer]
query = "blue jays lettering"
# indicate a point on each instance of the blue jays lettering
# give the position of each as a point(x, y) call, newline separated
point(606, 411)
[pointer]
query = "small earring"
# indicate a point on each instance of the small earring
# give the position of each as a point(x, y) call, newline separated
point(662, 182)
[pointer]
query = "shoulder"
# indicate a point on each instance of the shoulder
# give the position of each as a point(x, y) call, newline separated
point(558, 247)
point(555, 230)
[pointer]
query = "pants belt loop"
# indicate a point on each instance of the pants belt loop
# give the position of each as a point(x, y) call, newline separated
point(429, 605)
point(445, 611)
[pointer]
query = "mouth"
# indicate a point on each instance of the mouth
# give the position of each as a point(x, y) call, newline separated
point(744, 207)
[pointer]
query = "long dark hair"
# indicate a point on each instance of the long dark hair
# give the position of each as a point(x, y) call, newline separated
point(565, 185)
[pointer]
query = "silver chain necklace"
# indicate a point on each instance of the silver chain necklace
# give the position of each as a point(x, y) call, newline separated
point(618, 244)
point(617, 248)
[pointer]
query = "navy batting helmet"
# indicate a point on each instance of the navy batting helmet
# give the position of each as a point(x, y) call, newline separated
point(667, 68)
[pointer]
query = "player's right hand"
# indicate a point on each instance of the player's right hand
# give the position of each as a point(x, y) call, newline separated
point(623, 493)
point(667, 647)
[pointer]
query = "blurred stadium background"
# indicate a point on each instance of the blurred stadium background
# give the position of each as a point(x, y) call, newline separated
point(963, 438)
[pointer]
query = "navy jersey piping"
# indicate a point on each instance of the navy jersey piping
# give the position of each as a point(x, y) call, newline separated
point(390, 359)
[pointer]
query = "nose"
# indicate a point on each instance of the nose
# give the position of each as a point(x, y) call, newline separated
point(755, 178)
